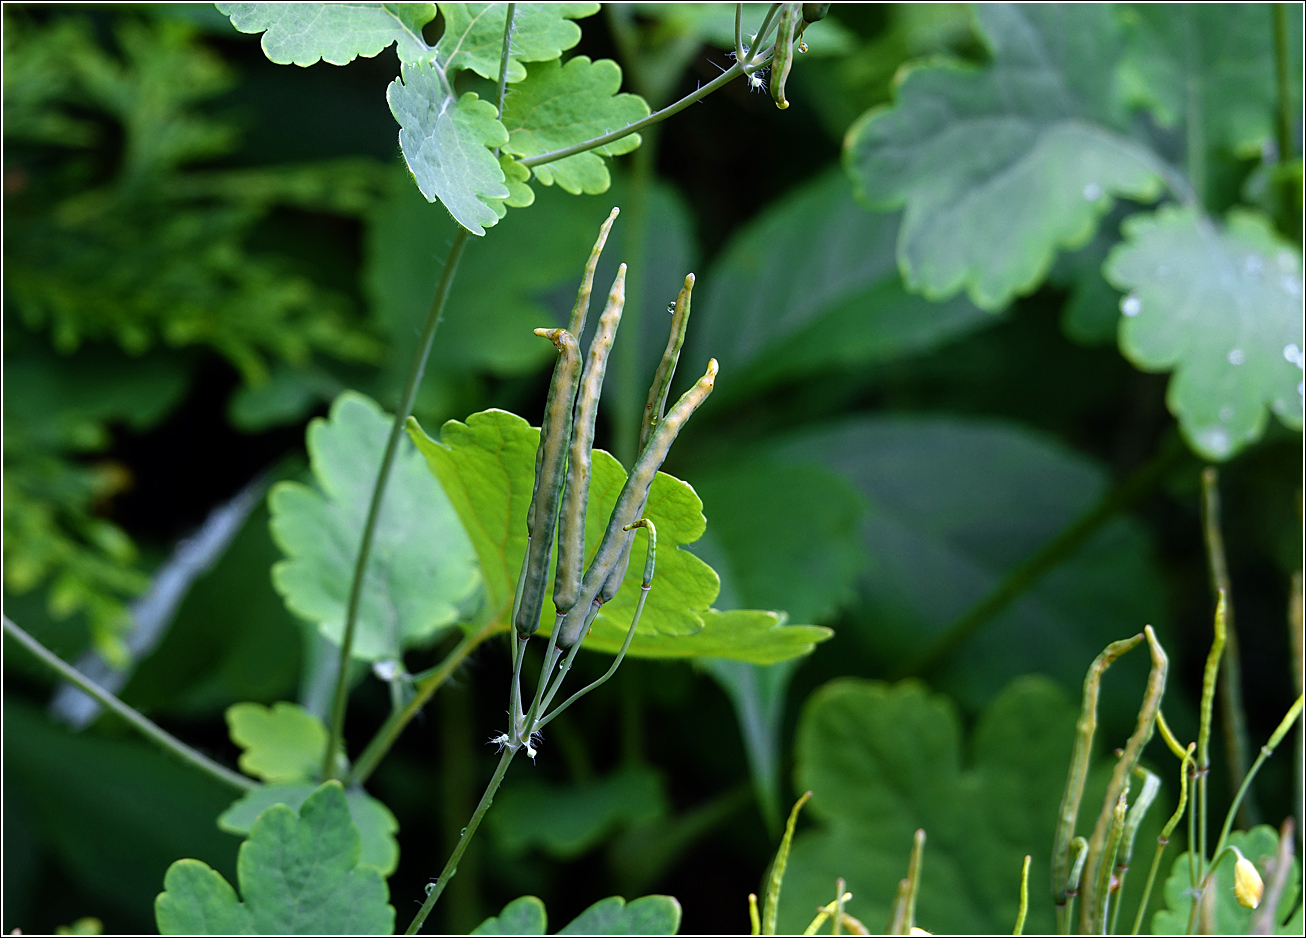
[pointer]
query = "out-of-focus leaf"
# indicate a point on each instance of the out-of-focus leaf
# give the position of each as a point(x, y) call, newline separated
point(98, 802)
point(286, 397)
point(473, 35)
point(1259, 845)
point(281, 743)
point(421, 571)
point(956, 504)
point(303, 33)
point(487, 468)
point(524, 916)
point(965, 151)
point(559, 105)
point(884, 760)
point(1213, 62)
point(376, 825)
point(714, 23)
point(814, 283)
point(1222, 307)
point(566, 821)
point(299, 874)
point(648, 915)
point(446, 141)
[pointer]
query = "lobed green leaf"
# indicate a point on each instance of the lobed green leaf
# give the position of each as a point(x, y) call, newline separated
point(650, 915)
point(997, 167)
point(422, 569)
point(303, 33)
point(524, 916)
point(1222, 307)
point(281, 743)
point(473, 35)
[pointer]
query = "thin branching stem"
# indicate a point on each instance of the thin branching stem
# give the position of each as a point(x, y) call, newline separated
point(739, 31)
point(433, 317)
point(761, 33)
point(142, 724)
point(451, 867)
point(1163, 839)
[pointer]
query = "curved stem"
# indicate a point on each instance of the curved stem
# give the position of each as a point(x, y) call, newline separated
point(761, 35)
point(451, 867)
point(378, 494)
point(394, 725)
point(141, 723)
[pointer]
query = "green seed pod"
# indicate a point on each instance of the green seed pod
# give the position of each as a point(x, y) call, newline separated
point(542, 516)
point(814, 12)
point(577, 324)
point(657, 394)
point(783, 57)
point(615, 545)
point(571, 521)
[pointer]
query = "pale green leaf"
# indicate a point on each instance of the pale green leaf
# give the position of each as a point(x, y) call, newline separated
point(376, 825)
point(299, 875)
point(281, 743)
point(487, 468)
point(446, 141)
point(1222, 308)
point(1259, 845)
point(567, 820)
point(999, 166)
point(524, 916)
point(714, 23)
point(303, 33)
point(1213, 63)
point(422, 570)
point(813, 283)
point(649, 915)
point(473, 35)
point(559, 105)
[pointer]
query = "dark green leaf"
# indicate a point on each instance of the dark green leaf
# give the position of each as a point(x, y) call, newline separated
point(1000, 166)
point(303, 33)
point(376, 825)
point(649, 915)
point(421, 571)
point(524, 916)
point(473, 35)
point(1223, 309)
point(299, 875)
point(559, 105)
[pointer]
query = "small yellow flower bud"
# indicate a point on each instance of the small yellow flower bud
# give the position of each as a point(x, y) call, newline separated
point(1247, 885)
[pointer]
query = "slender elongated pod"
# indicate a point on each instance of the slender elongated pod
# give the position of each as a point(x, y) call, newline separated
point(571, 522)
point(576, 325)
point(630, 507)
point(550, 459)
point(657, 393)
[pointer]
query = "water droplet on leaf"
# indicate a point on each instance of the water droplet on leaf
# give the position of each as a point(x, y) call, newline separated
point(1092, 192)
point(1131, 305)
point(1237, 357)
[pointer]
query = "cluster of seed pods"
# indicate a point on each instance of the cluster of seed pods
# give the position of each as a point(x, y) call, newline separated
point(561, 493)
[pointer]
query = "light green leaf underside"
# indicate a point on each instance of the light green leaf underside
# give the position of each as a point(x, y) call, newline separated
point(885, 760)
point(1259, 845)
point(299, 874)
point(565, 821)
point(376, 825)
point(1213, 62)
point(487, 467)
point(447, 141)
point(813, 283)
point(303, 33)
point(473, 35)
point(650, 915)
point(559, 105)
point(1222, 308)
point(281, 743)
point(422, 570)
point(1000, 166)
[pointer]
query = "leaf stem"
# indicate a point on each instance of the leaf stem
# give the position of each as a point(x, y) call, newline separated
point(739, 31)
point(1048, 557)
point(329, 768)
point(1292, 196)
point(141, 723)
point(451, 867)
point(394, 725)
point(503, 57)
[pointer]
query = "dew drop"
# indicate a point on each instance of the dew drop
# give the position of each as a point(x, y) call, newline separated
point(1092, 192)
point(1131, 305)
point(1292, 286)
point(1237, 357)
point(1293, 353)
point(1226, 414)
point(1214, 440)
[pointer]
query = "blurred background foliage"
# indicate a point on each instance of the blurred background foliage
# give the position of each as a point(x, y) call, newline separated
point(202, 249)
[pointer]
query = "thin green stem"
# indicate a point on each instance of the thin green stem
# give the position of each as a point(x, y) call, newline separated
point(761, 33)
point(629, 404)
point(739, 31)
point(1209, 677)
point(329, 767)
point(1266, 751)
point(451, 867)
point(394, 725)
point(1292, 193)
point(1046, 559)
point(557, 681)
point(503, 57)
point(1163, 839)
point(1024, 898)
point(144, 725)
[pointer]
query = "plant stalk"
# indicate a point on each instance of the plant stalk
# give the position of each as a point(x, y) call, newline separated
point(329, 767)
point(138, 721)
point(451, 867)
